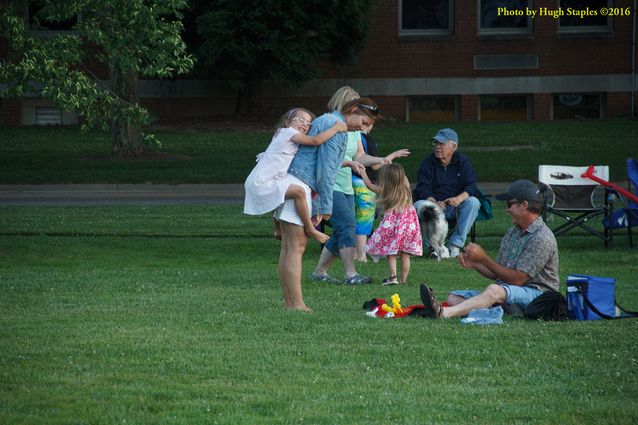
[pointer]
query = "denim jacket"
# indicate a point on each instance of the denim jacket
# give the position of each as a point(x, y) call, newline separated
point(317, 166)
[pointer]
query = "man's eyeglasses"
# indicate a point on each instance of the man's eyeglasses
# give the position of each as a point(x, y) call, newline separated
point(510, 203)
point(302, 121)
point(371, 108)
point(435, 144)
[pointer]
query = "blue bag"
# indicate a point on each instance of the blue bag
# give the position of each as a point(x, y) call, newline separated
point(593, 298)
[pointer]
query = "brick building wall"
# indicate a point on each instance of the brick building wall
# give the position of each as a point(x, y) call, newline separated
point(565, 63)
point(542, 104)
point(453, 56)
point(11, 113)
point(396, 69)
point(469, 108)
point(618, 104)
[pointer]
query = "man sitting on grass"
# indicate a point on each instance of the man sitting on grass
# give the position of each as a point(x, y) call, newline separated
point(525, 267)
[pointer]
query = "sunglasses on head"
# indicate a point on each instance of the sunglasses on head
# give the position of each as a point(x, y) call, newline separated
point(371, 108)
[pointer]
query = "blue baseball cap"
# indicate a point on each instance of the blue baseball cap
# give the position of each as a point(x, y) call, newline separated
point(446, 135)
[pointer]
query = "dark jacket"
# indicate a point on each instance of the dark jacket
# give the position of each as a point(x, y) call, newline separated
point(370, 147)
point(440, 182)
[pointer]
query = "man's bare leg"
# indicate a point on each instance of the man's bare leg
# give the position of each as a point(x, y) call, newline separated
point(493, 294)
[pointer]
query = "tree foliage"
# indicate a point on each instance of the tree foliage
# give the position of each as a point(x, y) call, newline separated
point(247, 41)
point(132, 37)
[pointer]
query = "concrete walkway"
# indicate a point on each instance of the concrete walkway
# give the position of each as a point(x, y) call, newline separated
point(141, 194)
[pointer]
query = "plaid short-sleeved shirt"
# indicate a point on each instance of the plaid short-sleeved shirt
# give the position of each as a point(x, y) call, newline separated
point(534, 252)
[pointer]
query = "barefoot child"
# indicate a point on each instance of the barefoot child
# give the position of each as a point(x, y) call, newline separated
point(266, 186)
point(399, 233)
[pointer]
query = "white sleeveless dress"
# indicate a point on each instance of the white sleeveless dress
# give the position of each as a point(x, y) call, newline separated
point(266, 184)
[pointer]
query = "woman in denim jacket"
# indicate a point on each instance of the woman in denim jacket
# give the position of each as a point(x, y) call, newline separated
point(315, 168)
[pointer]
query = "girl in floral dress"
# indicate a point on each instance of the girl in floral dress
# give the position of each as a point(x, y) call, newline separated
point(399, 233)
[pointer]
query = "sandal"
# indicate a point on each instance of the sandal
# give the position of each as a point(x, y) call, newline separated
point(432, 307)
point(323, 278)
point(392, 280)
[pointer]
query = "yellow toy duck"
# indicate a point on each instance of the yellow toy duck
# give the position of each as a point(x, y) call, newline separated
point(396, 306)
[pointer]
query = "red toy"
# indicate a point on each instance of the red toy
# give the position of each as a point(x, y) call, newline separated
point(377, 307)
point(589, 174)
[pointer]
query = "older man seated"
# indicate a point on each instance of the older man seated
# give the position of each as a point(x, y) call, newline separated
point(447, 178)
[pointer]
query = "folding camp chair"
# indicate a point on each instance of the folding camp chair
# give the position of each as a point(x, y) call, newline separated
point(574, 198)
point(627, 215)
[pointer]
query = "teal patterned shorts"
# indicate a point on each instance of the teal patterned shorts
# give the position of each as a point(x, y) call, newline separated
point(364, 206)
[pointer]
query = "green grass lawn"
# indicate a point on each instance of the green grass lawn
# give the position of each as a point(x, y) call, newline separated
point(174, 315)
point(500, 152)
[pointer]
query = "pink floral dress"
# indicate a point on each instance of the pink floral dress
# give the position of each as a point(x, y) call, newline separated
point(399, 231)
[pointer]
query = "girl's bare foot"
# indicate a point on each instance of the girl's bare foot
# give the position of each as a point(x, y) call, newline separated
point(363, 259)
point(318, 236)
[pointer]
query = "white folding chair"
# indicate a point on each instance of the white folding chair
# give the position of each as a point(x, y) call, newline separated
point(574, 198)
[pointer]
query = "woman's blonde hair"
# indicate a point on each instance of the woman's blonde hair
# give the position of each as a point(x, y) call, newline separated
point(286, 118)
point(394, 188)
point(342, 96)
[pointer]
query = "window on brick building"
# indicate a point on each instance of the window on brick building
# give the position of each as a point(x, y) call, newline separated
point(504, 17)
point(48, 116)
point(584, 22)
point(505, 108)
point(425, 17)
point(433, 108)
point(38, 23)
point(577, 105)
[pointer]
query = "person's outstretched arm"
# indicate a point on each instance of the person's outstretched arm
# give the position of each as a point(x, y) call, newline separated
point(320, 138)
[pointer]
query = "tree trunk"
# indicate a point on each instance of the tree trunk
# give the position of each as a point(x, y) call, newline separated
point(126, 136)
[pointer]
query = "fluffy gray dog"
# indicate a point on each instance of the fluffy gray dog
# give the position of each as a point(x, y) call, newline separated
point(433, 227)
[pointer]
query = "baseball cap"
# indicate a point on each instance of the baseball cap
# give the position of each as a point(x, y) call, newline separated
point(522, 190)
point(446, 134)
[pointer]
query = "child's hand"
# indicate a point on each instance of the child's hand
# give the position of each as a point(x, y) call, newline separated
point(357, 167)
point(401, 153)
point(341, 126)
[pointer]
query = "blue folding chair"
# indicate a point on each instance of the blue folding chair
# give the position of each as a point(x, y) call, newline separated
point(627, 215)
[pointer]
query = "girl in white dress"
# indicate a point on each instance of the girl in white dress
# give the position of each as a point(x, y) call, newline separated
point(266, 186)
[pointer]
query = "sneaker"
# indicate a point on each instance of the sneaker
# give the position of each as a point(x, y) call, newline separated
point(357, 279)
point(324, 278)
point(433, 309)
point(392, 280)
point(454, 251)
